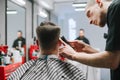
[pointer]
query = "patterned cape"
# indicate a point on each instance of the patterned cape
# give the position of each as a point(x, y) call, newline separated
point(47, 69)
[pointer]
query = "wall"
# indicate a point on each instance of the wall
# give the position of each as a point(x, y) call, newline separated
point(2, 21)
point(53, 18)
point(36, 10)
point(37, 18)
point(93, 33)
point(28, 26)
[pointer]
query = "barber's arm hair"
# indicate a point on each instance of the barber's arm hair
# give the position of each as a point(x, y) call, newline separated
point(104, 59)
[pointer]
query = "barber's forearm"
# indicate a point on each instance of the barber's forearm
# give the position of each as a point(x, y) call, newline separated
point(92, 51)
point(96, 60)
point(89, 49)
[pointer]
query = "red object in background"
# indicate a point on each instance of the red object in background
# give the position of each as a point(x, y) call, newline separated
point(5, 71)
point(32, 48)
point(4, 48)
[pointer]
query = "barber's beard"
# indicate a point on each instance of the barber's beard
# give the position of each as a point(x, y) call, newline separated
point(103, 20)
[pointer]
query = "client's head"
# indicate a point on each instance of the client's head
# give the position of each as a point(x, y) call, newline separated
point(48, 37)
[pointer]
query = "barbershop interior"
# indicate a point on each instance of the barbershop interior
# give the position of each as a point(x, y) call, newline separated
point(20, 18)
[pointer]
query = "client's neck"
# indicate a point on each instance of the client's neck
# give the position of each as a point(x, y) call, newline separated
point(49, 52)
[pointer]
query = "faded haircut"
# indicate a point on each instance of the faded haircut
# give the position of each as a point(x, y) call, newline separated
point(48, 35)
point(92, 2)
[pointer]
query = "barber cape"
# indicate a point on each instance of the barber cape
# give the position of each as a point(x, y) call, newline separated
point(47, 67)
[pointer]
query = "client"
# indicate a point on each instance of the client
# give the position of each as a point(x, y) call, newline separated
point(48, 66)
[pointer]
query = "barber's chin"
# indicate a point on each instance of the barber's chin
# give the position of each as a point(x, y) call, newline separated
point(101, 25)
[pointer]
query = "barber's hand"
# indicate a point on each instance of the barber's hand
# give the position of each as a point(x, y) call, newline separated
point(77, 45)
point(66, 51)
point(80, 46)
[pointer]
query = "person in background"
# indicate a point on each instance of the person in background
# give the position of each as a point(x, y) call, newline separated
point(20, 41)
point(48, 66)
point(82, 36)
point(100, 12)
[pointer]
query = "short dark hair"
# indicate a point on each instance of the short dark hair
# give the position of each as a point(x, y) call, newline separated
point(82, 30)
point(92, 2)
point(48, 35)
point(20, 31)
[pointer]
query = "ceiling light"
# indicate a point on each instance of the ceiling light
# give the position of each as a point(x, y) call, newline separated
point(20, 2)
point(11, 12)
point(79, 4)
point(44, 4)
point(80, 9)
point(43, 14)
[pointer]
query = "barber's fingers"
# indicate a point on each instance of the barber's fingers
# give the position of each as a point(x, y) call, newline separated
point(74, 42)
point(61, 52)
point(66, 55)
point(77, 41)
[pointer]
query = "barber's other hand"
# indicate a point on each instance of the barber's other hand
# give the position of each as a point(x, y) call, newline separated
point(80, 46)
point(77, 45)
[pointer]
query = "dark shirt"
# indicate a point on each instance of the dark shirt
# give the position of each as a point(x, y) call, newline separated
point(47, 68)
point(17, 41)
point(84, 39)
point(113, 39)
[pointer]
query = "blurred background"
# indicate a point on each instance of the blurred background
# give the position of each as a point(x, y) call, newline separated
point(26, 15)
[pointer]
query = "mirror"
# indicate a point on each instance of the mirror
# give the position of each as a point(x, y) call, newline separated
point(15, 21)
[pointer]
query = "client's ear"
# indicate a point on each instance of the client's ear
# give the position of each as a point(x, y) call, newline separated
point(38, 43)
point(59, 42)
